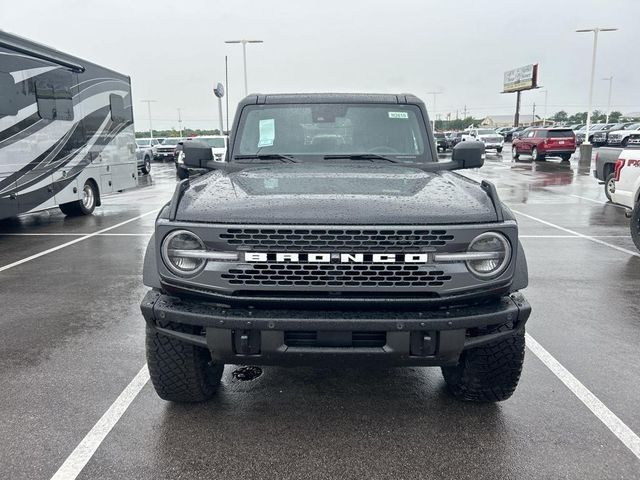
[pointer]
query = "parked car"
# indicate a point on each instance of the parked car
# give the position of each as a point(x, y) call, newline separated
point(544, 142)
point(151, 143)
point(491, 140)
point(164, 151)
point(441, 141)
point(519, 132)
point(621, 137)
point(453, 139)
point(626, 189)
point(218, 144)
point(593, 128)
point(601, 136)
point(577, 126)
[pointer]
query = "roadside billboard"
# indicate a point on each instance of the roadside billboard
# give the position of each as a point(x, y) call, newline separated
point(521, 78)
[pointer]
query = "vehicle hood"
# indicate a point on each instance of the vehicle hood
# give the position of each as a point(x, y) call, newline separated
point(334, 193)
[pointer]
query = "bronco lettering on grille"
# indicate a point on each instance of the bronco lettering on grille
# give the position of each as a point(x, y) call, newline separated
point(336, 257)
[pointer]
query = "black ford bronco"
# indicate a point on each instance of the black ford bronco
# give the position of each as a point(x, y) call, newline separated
point(333, 236)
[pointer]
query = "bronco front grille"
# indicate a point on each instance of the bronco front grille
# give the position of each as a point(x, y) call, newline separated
point(305, 275)
point(330, 240)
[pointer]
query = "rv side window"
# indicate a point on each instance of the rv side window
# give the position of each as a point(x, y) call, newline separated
point(118, 114)
point(8, 104)
point(55, 101)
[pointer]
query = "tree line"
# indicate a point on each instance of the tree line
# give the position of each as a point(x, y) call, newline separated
point(186, 132)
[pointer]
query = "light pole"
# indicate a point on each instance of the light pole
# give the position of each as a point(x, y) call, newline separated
point(149, 102)
point(244, 58)
point(544, 120)
point(434, 107)
point(179, 123)
point(610, 79)
point(596, 31)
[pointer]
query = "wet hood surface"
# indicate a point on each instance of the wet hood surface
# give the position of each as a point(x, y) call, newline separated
point(336, 193)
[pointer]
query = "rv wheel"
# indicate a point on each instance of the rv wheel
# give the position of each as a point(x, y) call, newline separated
point(86, 205)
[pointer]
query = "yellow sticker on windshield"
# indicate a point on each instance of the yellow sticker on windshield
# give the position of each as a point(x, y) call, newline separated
point(398, 115)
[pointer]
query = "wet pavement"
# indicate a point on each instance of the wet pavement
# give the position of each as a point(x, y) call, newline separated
point(73, 339)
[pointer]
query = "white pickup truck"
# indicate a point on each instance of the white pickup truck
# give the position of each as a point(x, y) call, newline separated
point(626, 188)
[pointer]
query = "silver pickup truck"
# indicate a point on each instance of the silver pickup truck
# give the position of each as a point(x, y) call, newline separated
point(606, 159)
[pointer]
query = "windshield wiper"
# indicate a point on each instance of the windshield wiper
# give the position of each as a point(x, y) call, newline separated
point(360, 156)
point(266, 156)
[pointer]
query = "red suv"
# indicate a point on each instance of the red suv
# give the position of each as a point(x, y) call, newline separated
point(542, 142)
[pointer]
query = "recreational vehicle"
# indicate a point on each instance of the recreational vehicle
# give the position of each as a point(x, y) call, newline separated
point(66, 130)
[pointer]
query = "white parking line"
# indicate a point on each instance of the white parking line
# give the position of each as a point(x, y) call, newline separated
point(601, 202)
point(593, 403)
point(74, 241)
point(578, 234)
point(75, 462)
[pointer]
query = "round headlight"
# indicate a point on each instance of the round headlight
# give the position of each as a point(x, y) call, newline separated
point(175, 252)
point(497, 250)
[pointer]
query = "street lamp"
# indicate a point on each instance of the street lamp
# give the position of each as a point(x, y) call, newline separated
point(244, 58)
point(610, 80)
point(434, 107)
point(180, 123)
point(149, 102)
point(595, 31)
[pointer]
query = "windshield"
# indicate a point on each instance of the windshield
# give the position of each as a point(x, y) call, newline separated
point(633, 126)
point(315, 130)
point(170, 141)
point(212, 142)
point(486, 132)
point(144, 142)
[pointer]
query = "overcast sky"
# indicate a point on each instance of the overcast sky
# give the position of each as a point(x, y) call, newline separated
point(174, 51)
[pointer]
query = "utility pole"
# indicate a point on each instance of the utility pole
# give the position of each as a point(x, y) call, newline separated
point(179, 124)
point(610, 79)
point(434, 107)
point(596, 31)
point(149, 102)
point(544, 119)
point(226, 87)
point(516, 117)
point(464, 114)
point(533, 115)
point(244, 58)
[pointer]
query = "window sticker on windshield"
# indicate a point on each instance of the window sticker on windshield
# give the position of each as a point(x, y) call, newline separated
point(267, 132)
point(398, 115)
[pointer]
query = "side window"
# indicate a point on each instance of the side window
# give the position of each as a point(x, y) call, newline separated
point(118, 115)
point(54, 98)
point(8, 105)
point(530, 134)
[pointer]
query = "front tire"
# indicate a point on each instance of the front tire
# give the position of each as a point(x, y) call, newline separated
point(514, 152)
point(488, 373)
point(181, 372)
point(625, 142)
point(609, 185)
point(146, 168)
point(86, 205)
point(634, 225)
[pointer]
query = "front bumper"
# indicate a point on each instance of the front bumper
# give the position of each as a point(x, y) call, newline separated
point(314, 337)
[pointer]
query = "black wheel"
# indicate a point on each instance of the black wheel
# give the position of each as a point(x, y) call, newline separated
point(146, 168)
point(181, 372)
point(625, 142)
point(489, 373)
point(566, 157)
point(635, 225)
point(499, 149)
point(514, 152)
point(86, 205)
point(609, 185)
point(536, 156)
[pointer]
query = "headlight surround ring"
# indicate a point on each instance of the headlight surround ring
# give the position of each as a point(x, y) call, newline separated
point(479, 244)
point(198, 263)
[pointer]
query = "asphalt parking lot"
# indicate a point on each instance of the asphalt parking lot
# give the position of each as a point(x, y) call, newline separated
point(73, 342)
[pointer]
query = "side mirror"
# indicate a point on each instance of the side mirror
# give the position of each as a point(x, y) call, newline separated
point(468, 154)
point(196, 154)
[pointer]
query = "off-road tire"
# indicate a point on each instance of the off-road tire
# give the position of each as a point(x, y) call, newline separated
point(514, 152)
point(609, 185)
point(86, 205)
point(488, 373)
point(181, 372)
point(634, 225)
